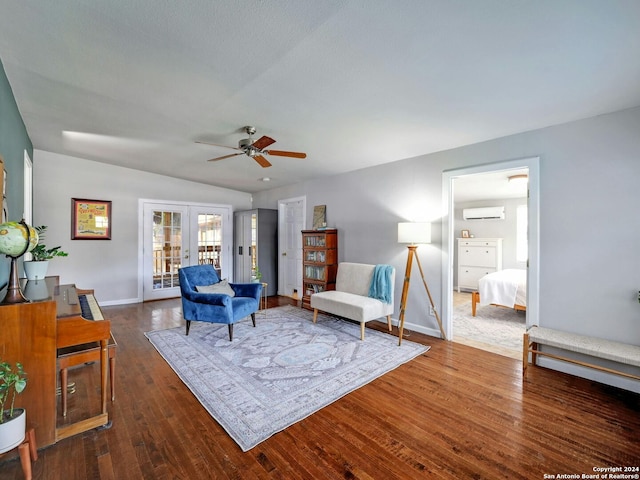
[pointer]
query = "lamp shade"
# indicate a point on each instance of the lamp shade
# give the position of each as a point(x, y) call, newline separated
point(414, 232)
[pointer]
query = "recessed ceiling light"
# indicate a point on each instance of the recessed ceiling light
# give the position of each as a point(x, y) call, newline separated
point(265, 179)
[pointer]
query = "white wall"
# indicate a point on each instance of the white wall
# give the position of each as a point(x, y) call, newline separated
point(505, 229)
point(589, 228)
point(589, 197)
point(108, 266)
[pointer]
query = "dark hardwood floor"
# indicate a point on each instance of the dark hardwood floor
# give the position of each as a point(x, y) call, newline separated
point(454, 412)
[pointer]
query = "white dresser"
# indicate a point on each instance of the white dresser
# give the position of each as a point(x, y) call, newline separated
point(476, 258)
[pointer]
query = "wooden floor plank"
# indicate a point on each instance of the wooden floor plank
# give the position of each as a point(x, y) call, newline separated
point(453, 412)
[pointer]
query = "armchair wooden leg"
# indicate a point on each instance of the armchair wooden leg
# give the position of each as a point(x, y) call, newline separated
point(361, 330)
point(389, 322)
point(231, 332)
point(253, 319)
point(315, 315)
point(188, 326)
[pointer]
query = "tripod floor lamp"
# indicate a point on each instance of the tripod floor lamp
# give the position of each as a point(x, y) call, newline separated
point(414, 233)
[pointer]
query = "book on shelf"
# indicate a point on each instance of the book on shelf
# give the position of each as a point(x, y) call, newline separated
point(314, 241)
point(313, 272)
point(316, 256)
point(312, 288)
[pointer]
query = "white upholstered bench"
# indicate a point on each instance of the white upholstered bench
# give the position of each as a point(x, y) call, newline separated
point(595, 347)
point(350, 298)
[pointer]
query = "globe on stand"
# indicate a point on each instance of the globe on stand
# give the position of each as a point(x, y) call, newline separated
point(16, 239)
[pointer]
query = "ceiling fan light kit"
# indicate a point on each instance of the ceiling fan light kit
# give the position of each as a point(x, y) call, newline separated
point(256, 149)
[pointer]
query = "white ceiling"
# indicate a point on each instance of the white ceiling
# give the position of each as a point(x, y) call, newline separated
point(351, 83)
point(490, 186)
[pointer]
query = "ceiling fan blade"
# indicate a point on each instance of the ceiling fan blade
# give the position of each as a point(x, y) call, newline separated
point(280, 153)
point(263, 142)
point(225, 156)
point(264, 163)
point(217, 145)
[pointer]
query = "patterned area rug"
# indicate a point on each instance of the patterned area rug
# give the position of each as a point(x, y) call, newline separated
point(496, 329)
point(279, 372)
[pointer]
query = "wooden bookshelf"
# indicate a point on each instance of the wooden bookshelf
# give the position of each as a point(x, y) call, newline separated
point(319, 262)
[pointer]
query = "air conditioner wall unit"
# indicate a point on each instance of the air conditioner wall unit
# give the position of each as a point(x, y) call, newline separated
point(484, 213)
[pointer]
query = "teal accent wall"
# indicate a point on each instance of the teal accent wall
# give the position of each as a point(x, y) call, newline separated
point(14, 140)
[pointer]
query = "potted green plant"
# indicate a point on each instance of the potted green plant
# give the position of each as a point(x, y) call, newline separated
point(257, 275)
point(36, 268)
point(12, 420)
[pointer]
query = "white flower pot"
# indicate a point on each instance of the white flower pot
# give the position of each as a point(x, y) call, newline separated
point(36, 270)
point(36, 290)
point(12, 431)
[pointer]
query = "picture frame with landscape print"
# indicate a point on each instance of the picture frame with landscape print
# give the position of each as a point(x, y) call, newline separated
point(90, 219)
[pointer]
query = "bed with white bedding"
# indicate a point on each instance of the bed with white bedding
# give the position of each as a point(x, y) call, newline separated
point(505, 288)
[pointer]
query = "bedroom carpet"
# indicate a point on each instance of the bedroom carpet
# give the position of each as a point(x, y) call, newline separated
point(496, 329)
point(281, 371)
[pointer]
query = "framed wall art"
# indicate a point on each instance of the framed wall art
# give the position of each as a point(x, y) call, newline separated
point(90, 219)
point(319, 216)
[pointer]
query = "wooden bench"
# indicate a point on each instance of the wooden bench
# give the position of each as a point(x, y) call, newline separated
point(594, 347)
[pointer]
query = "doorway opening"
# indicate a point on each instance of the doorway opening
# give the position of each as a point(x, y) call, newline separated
point(493, 328)
point(490, 224)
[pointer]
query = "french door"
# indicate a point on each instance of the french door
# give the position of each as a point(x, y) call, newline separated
point(179, 235)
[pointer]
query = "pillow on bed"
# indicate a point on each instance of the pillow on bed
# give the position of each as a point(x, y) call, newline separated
point(221, 287)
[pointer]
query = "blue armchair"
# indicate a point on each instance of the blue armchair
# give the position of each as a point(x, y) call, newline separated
point(216, 307)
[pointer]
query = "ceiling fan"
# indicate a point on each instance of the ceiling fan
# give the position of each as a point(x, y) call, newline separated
point(255, 150)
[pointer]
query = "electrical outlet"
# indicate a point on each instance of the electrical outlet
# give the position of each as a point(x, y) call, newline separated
point(432, 311)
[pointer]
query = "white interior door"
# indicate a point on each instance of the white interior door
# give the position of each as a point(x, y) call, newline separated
point(292, 222)
point(175, 236)
point(245, 246)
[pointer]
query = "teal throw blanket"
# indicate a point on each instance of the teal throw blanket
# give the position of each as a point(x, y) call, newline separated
point(381, 283)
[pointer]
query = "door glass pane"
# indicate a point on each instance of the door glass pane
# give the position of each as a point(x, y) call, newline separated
point(210, 241)
point(167, 249)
